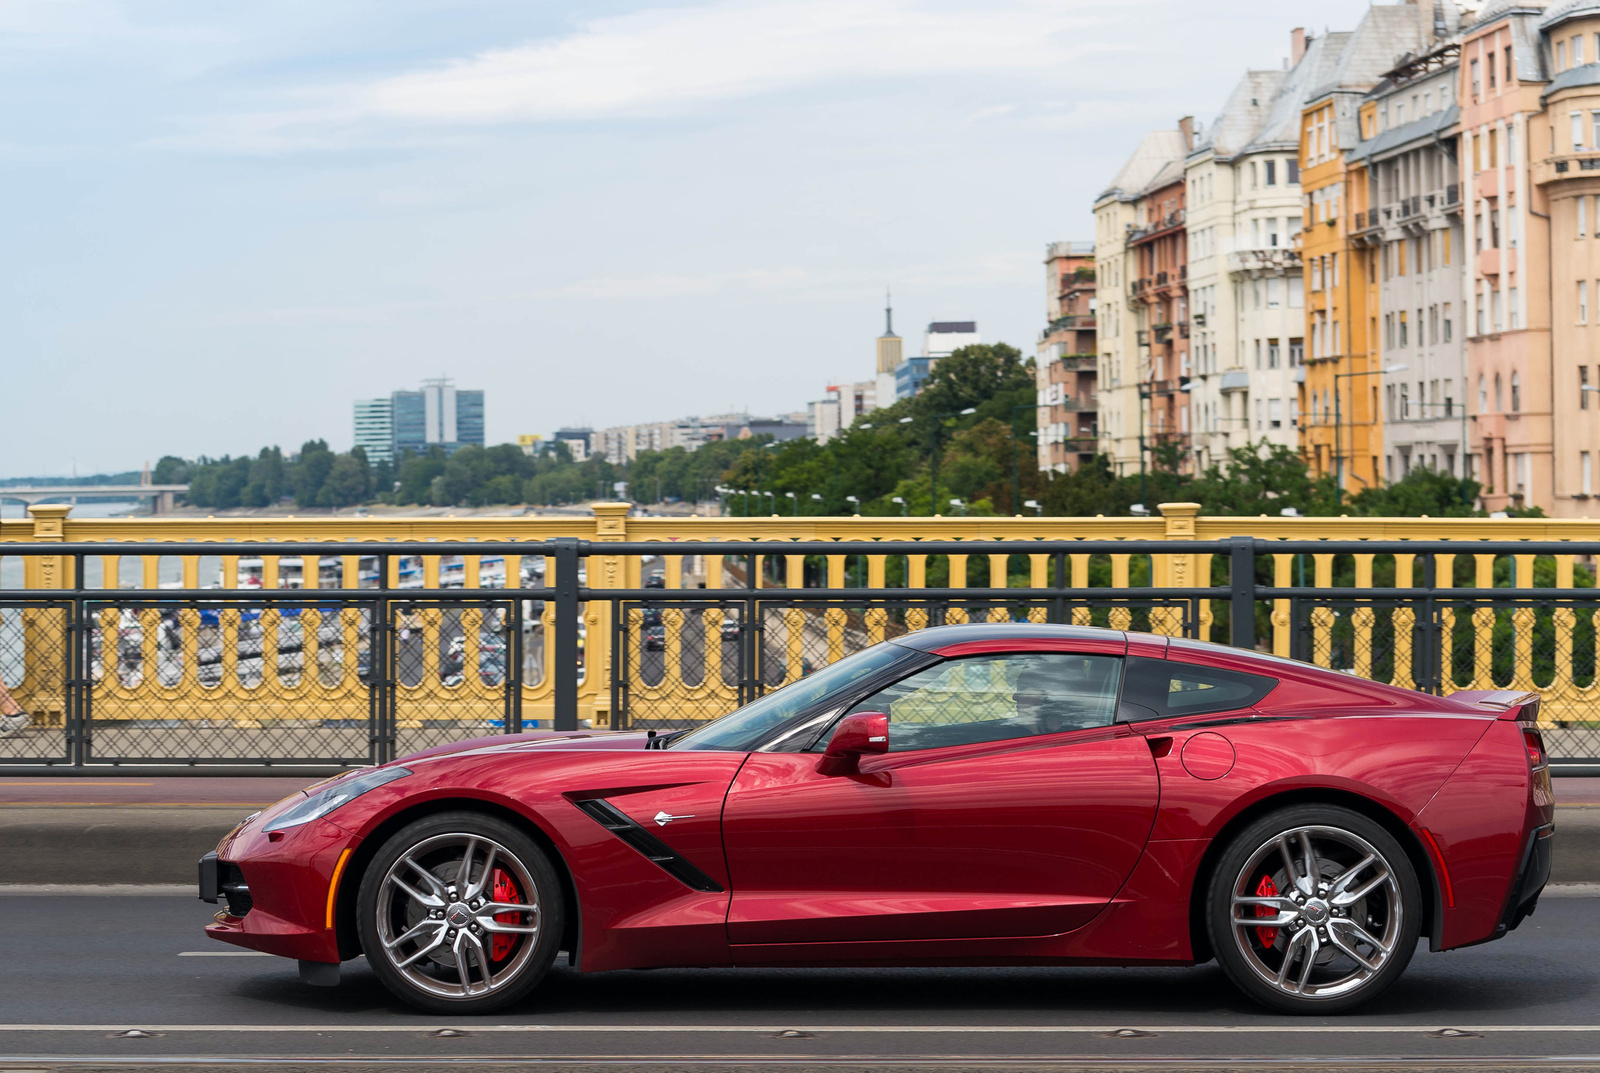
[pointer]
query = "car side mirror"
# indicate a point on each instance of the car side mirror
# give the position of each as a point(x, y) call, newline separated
point(858, 734)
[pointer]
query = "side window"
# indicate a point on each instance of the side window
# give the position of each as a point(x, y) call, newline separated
point(1158, 689)
point(992, 698)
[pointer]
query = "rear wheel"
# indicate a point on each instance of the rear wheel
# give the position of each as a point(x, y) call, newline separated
point(1314, 909)
point(460, 913)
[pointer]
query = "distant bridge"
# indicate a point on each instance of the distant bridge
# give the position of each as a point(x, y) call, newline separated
point(160, 495)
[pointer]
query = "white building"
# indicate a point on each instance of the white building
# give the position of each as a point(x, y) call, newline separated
point(374, 428)
point(843, 404)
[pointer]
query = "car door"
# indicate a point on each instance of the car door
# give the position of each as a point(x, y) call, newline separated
point(1010, 804)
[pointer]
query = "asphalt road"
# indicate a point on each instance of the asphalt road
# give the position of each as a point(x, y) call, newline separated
point(81, 970)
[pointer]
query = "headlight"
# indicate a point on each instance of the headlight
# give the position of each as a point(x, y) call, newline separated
point(331, 795)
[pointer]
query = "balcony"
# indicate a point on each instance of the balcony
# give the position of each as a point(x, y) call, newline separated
point(1235, 380)
point(1071, 322)
point(1452, 194)
point(1142, 337)
point(1141, 285)
point(1079, 363)
point(1364, 221)
point(1270, 260)
point(1161, 333)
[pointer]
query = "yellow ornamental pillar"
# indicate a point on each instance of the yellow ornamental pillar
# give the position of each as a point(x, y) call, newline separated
point(603, 572)
point(42, 689)
point(1173, 571)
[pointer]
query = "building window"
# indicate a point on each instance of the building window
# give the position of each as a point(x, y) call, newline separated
point(1274, 413)
point(1509, 70)
point(1583, 301)
point(1561, 60)
point(1433, 325)
point(1515, 308)
point(1292, 166)
point(1483, 395)
point(1258, 353)
point(1477, 86)
point(1405, 402)
point(1497, 307)
point(1494, 229)
point(1272, 172)
point(1388, 331)
point(1297, 352)
point(1583, 387)
point(1576, 119)
point(1273, 356)
point(1274, 288)
point(1577, 50)
point(1585, 473)
point(1445, 335)
point(1583, 223)
point(1499, 395)
point(1402, 330)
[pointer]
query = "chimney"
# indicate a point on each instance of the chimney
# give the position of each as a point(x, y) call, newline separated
point(1186, 126)
point(1297, 44)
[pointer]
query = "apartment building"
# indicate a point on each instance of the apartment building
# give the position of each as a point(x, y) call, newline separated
point(1508, 282)
point(1406, 164)
point(1067, 365)
point(1122, 211)
point(1567, 181)
point(1342, 431)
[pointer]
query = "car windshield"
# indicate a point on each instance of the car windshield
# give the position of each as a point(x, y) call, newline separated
point(749, 726)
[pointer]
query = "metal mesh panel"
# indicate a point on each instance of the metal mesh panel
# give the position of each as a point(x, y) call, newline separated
point(34, 657)
point(282, 682)
point(451, 666)
point(678, 664)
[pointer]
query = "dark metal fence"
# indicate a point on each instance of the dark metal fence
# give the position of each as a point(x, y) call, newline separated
point(314, 679)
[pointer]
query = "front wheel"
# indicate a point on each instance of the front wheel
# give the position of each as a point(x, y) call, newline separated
point(1314, 909)
point(460, 913)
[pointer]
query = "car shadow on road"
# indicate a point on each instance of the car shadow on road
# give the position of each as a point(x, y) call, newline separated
point(1434, 987)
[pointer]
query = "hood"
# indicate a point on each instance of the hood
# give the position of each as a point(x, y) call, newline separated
point(533, 739)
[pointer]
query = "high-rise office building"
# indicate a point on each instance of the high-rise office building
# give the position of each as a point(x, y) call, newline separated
point(375, 429)
point(439, 414)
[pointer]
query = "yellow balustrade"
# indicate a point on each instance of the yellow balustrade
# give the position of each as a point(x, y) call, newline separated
point(324, 681)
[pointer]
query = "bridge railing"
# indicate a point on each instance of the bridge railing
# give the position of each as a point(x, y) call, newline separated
point(248, 645)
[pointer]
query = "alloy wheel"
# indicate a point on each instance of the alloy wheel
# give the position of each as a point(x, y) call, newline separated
point(1317, 912)
point(458, 916)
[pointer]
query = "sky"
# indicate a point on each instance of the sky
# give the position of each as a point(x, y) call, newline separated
point(224, 221)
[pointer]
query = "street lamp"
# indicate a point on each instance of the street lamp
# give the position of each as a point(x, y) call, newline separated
point(900, 500)
point(934, 429)
point(773, 505)
point(1338, 459)
point(961, 508)
point(816, 498)
point(856, 501)
point(791, 495)
point(1034, 503)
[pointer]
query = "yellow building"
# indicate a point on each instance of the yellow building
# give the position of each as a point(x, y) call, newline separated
point(1342, 431)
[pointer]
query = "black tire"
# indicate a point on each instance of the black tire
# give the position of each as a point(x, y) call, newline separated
point(409, 900)
point(1319, 960)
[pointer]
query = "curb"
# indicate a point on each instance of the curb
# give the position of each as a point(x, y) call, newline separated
point(114, 846)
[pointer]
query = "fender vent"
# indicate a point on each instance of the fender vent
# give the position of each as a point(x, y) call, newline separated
point(656, 851)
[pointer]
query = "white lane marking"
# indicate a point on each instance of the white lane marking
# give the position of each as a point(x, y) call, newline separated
point(1571, 890)
point(224, 954)
point(104, 890)
point(1293, 1030)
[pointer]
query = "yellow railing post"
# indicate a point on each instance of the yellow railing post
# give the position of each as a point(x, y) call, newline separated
point(42, 691)
point(1174, 571)
point(603, 572)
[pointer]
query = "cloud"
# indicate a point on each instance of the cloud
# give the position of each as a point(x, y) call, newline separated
point(667, 62)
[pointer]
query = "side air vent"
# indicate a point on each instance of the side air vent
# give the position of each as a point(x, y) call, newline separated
point(658, 852)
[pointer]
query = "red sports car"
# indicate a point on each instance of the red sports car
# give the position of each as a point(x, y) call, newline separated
point(1004, 794)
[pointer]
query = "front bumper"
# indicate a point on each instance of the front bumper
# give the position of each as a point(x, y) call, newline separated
point(279, 894)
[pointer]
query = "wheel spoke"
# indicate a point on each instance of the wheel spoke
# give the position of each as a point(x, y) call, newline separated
point(489, 857)
point(1296, 942)
point(1341, 884)
point(1308, 959)
point(1278, 920)
point(423, 951)
point(1309, 876)
point(1362, 935)
point(420, 927)
point(464, 873)
point(428, 877)
point(1288, 861)
point(460, 948)
point(416, 895)
point(1334, 928)
point(1351, 897)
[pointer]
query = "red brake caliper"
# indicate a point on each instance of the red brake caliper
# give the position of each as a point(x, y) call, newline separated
point(504, 891)
point(1266, 889)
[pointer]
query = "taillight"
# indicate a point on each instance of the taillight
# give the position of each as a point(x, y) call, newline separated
point(1534, 743)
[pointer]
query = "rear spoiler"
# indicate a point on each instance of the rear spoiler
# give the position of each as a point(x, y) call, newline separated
point(1507, 703)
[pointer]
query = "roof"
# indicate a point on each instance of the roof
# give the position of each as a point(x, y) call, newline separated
point(1418, 129)
point(1386, 32)
point(1241, 114)
point(966, 326)
point(1281, 127)
point(1586, 75)
point(1156, 150)
point(1498, 9)
point(1571, 9)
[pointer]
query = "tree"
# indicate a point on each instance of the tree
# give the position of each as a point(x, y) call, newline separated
point(348, 481)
